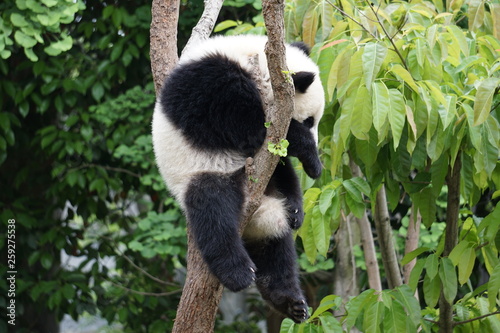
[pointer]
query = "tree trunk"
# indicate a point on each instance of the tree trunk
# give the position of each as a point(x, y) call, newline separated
point(412, 238)
point(163, 39)
point(385, 240)
point(451, 238)
point(202, 291)
point(200, 297)
point(345, 283)
point(367, 242)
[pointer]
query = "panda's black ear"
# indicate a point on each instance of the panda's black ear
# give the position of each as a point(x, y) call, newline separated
point(303, 47)
point(302, 80)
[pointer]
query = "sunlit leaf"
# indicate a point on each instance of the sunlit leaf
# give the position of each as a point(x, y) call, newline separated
point(372, 59)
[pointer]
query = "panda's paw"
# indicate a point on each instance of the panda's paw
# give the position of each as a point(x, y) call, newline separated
point(238, 279)
point(292, 305)
point(295, 216)
point(297, 310)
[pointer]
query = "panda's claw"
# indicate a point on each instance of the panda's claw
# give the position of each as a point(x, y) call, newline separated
point(295, 215)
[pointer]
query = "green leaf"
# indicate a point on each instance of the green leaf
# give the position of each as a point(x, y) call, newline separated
point(415, 274)
point(406, 297)
point(381, 105)
point(320, 231)
point(475, 14)
point(306, 233)
point(448, 278)
point(310, 198)
point(24, 40)
point(413, 254)
point(327, 303)
point(325, 199)
point(330, 324)
point(68, 291)
point(353, 190)
point(287, 326)
point(425, 201)
point(373, 57)
point(97, 91)
point(46, 260)
point(431, 265)
point(361, 121)
point(494, 287)
point(456, 254)
point(397, 115)
point(225, 25)
point(373, 317)
point(484, 97)
point(31, 56)
point(18, 20)
point(466, 264)
point(432, 290)
point(356, 306)
point(395, 319)
point(405, 76)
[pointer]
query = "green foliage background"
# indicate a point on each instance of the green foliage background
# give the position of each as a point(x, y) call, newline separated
point(77, 171)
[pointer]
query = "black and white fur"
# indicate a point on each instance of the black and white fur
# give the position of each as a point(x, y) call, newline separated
point(208, 119)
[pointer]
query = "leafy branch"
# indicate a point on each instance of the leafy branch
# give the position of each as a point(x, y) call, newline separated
point(379, 22)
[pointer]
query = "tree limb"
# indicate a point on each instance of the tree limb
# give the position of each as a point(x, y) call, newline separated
point(385, 239)
point(163, 39)
point(202, 291)
point(205, 25)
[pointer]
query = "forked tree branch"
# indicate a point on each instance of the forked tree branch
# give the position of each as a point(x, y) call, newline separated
point(202, 291)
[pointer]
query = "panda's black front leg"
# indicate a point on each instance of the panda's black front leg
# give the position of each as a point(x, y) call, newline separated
point(287, 183)
point(213, 206)
point(303, 146)
point(277, 275)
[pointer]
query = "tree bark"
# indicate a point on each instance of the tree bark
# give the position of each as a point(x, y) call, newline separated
point(385, 239)
point(163, 39)
point(411, 244)
point(451, 238)
point(202, 291)
point(367, 242)
point(206, 24)
point(345, 274)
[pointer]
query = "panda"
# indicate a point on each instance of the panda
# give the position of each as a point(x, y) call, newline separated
point(208, 120)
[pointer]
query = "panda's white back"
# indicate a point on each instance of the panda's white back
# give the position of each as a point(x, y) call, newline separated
point(239, 48)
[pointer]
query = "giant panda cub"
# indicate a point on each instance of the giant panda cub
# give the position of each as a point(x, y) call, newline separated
point(208, 119)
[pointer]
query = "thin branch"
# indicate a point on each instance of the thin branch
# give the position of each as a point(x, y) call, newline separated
point(375, 12)
point(206, 23)
point(351, 18)
point(105, 167)
point(476, 318)
point(154, 278)
point(144, 293)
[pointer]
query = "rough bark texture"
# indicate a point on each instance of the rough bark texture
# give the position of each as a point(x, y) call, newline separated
point(384, 232)
point(345, 282)
point(451, 239)
point(367, 242)
point(411, 244)
point(202, 291)
point(163, 40)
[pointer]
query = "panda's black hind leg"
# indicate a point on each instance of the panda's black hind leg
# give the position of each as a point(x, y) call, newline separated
point(213, 207)
point(277, 275)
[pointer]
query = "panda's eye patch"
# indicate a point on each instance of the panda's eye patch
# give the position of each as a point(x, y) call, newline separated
point(309, 122)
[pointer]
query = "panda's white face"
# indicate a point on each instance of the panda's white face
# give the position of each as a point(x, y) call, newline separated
point(309, 106)
point(238, 48)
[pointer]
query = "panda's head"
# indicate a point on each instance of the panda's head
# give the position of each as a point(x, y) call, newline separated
point(309, 94)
